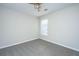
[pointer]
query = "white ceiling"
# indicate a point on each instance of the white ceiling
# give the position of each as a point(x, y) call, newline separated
point(28, 8)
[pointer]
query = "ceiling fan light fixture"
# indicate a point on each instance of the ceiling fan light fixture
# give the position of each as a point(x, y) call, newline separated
point(37, 6)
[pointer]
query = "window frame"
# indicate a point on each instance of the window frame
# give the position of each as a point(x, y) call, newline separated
point(44, 30)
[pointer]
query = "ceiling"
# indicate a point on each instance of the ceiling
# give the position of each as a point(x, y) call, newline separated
point(28, 8)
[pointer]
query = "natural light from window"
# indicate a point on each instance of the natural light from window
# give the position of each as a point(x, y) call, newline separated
point(44, 27)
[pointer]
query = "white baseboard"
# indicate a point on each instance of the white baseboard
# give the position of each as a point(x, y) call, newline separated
point(63, 45)
point(42, 39)
point(17, 43)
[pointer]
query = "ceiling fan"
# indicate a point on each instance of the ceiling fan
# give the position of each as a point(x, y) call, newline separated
point(38, 6)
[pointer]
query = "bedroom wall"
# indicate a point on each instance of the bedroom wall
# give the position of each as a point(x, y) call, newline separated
point(63, 27)
point(16, 27)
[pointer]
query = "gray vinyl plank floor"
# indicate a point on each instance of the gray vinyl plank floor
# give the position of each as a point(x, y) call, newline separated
point(37, 48)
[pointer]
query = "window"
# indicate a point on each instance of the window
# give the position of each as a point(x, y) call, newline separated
point(44, 27)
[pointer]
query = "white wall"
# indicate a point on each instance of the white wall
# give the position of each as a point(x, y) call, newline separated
point(16, 27)
point(63, 27)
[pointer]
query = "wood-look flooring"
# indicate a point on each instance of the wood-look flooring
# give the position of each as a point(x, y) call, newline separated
point(37, 48)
